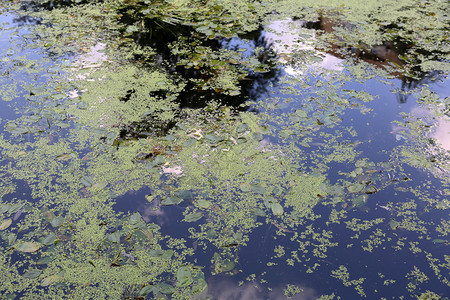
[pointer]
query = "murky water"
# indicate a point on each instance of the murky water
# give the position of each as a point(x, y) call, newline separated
point(260, 166)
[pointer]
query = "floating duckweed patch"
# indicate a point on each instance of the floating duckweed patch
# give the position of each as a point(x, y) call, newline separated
point(169, 149)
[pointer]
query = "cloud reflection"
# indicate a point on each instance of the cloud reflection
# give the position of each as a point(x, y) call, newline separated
point(226, 289)
point(289, 37)
point(441, 132)
point(152, 212)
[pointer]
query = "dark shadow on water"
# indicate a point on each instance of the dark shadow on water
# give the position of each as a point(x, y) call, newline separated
point(159, 35)
point(26, 20)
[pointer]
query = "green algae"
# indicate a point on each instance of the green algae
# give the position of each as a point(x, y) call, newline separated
point(343, 275)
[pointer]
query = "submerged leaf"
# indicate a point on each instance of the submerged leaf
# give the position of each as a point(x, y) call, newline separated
point(172, 200)
point(277, 209)
point(11, 238)
point(193, 217)
point(204, 204)
point(18, 214)
point(257, 136)
point(149, 197)
point(165, 288)
point(224, 266)
point(256, 188)
point(114, 237)
point(242, 128)
point(65, 156)
point(301, 113)
point(87, 181)
point(356, 188)
point(269, 200)
point(136, 221)
point(49, 240)
point(200, 285)
point(439, 241)
point(45, 260)
point(213, 138)
point(19, 131)
point(28, 247)
point(14, 208)
point(9, 297)
point(360, 200)
point(170, 138)
point(167, 254)
point(32, 274)
point(156, 252)
point(5, 208)
point(99, 185)
point(259, 212)
point(157, 161)
point(185, 194)
point(135, 218)
point(57, 221)
point(184, 277)
point(189, 142)
point(146, 290)
point(49, 280)
point(5, 224)
point(394, 224)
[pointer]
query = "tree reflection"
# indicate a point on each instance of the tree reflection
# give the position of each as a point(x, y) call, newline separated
point(390, 56)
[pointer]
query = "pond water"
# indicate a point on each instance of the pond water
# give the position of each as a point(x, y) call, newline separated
point(160, 150)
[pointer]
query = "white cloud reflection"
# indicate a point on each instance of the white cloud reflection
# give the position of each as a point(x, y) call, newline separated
point(441, 132)
point(288, 38)
point(222, 288)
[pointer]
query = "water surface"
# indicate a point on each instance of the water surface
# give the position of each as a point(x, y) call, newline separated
point(211, 161)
